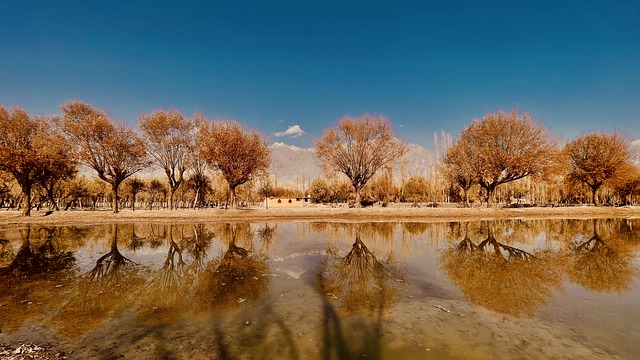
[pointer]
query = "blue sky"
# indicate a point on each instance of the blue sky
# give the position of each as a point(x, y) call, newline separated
point(427, 65)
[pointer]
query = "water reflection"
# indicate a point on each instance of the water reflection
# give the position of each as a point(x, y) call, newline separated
point(6, 252)
point(605, 264)
point(29, 280)
point(40, 256)
point(360, 284)
point(501, 277)
point(105, 291)
point(112, 267)
point(333, 290)
point(239, 276)
point(359, 281)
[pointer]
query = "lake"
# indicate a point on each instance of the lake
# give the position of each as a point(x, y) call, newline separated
point(509, 289)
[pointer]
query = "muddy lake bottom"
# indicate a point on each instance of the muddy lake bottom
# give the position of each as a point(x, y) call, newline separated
point(500, 289)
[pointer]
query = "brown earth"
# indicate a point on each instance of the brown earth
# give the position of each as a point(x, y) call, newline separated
point(401, 212)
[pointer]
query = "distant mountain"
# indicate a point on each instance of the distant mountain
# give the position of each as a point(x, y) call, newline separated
point(293, 166)
point(296, 167)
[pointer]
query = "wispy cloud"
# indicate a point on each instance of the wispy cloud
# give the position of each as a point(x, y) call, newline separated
point(293, 132)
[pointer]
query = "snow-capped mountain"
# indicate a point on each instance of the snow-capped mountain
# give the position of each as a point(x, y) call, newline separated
point(296, 167)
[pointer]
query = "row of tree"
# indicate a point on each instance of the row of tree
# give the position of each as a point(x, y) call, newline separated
point(46, 151)
point(504, 147)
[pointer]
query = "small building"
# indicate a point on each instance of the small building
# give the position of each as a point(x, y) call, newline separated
point(288, 201)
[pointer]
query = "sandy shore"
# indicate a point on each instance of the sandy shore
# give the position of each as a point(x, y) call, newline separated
point(319, 213)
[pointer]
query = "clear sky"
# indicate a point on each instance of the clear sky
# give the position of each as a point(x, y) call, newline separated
point(427, 65)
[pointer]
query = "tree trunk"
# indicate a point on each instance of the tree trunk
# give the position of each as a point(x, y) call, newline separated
point(196, 199)
point(172, 191)
point(54, 203)
point(26, 210)
point(594, 195)
point(466, 197)
point(489, 189)
point(233, 199)
point(114, 190)
point(357, 203)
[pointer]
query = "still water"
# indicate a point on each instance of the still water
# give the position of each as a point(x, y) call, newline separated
point(297, 290)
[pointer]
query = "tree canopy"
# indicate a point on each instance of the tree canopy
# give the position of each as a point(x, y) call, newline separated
point(238, 153)
point(113, 150)
point(31, 151)
point(500, 148)
point(595, 159)
point(168, 137)
point(358, 148)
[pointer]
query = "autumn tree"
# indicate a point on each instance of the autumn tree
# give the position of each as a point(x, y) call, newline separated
point(320, 191)
point(199, 180)
point(168, 136)
point(595, 159)
point(458, 167)
point(628, 183)
point(504, 147)
point(382, 186)
point(134, 186)
point(155, 189)
point(238, 153)
point(416, 189)
point(113, 150)
point(200, 184)
point(358, 148)
point(58, 163)
point(30, 151)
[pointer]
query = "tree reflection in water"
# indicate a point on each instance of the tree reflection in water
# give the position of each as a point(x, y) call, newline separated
point(238, 276)
point(604, 265)
point(267, 234)
point(359, 281)
point(28, 281)
point(503, 278)
point(111, 267)
point(196, 246)
point(6, 252)
point(33, 258)
point(362, 286)
point(110, 287)
point(166, 296)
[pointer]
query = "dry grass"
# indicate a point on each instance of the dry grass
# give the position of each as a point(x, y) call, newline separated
point(319, 213)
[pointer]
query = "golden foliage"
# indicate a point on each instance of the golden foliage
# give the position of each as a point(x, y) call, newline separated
point(239, 154)
point(500, 148)
point(503, 278)
point(169, 138)
point(114, 151)
point(359, 282)
point(596, 159)
point(32, 152)
point(358, 148)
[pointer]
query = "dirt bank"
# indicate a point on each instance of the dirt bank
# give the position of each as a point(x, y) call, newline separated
point(319, 213)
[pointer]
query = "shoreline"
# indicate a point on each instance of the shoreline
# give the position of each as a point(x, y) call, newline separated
point(318, 213)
